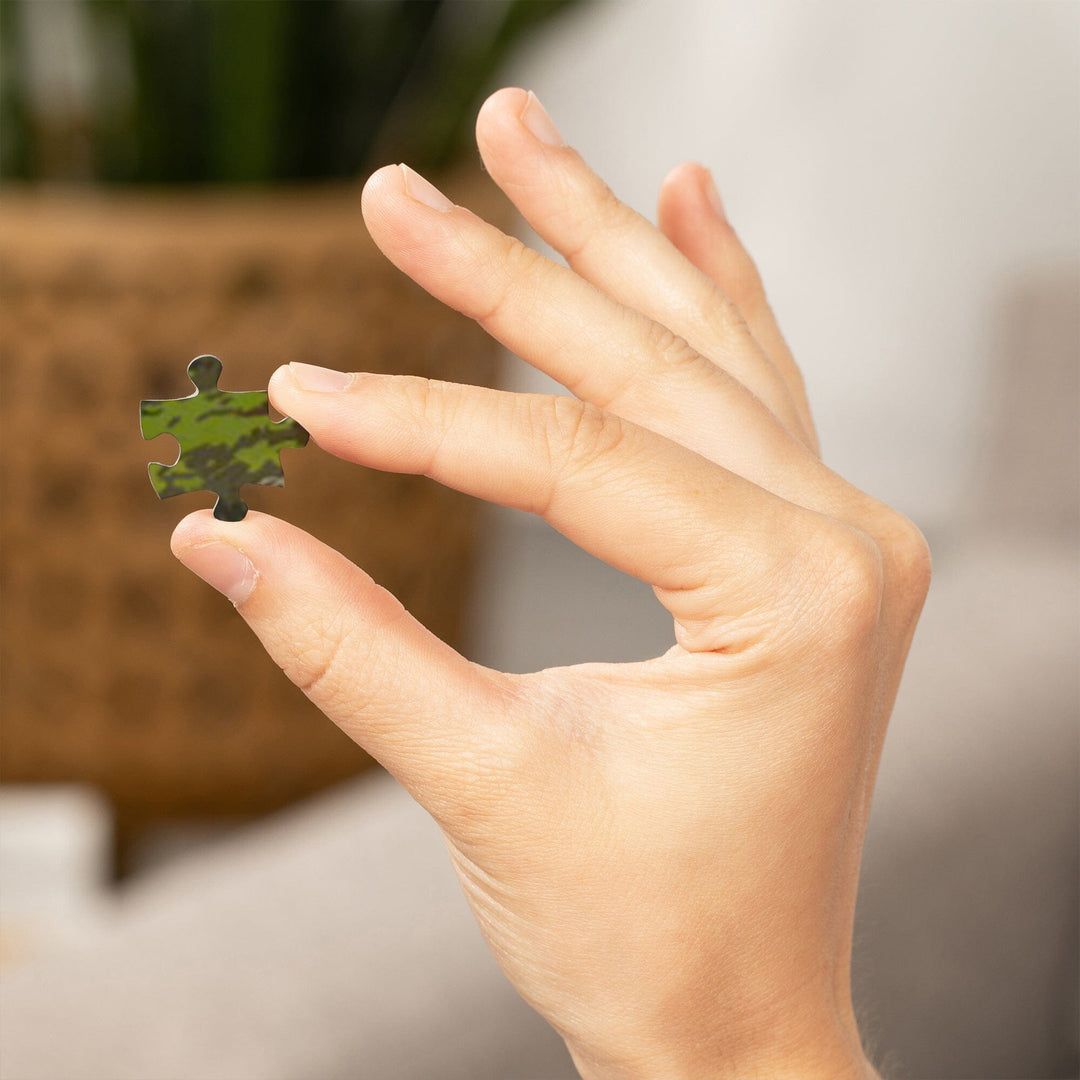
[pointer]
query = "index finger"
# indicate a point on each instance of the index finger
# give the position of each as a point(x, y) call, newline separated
point(715, 545)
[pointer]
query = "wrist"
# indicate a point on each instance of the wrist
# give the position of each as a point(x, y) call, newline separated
point(829, 1053)
point(814, 1063)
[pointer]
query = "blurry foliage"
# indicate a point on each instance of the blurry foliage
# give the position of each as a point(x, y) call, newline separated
point(251, 91)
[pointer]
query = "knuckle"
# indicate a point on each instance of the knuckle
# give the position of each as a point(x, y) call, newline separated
point(507, 268)
point(316, 663)
point(337, 662)
point(726, 315)
point(614, 215)
point(429, 406)
point(439, 405)
point(315, 660)
point(416, 396)
point(579, 434)
point(847, 568)
point(744, 286)
point(669, 349)
point(519, 260)
point(571, 435)
point(592, 211)
point(908, 563)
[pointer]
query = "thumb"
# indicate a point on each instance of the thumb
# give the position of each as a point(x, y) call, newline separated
point(435, 720)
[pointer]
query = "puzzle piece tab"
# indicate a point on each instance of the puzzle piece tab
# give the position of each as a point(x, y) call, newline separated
point(226, 440)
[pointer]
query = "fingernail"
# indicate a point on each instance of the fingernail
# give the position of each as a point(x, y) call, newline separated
point(224, 567)
point(714, 196)
point(534, 116)
point(416, 187)
point(312, 377)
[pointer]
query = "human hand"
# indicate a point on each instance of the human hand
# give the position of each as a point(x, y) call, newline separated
point(663, 856)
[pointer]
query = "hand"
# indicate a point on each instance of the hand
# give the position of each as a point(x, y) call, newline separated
point(663, 856)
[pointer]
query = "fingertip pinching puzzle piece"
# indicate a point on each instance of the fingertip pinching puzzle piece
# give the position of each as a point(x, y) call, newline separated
point(226, 440)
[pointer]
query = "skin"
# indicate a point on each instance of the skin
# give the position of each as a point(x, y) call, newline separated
point(663, 856)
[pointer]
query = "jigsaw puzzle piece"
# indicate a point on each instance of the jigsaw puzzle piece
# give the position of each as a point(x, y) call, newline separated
point(169, 480)
point(230, 508)
point(226, 440)
point(152, 419)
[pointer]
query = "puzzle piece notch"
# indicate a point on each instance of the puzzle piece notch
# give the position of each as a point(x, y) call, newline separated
point(227, 440)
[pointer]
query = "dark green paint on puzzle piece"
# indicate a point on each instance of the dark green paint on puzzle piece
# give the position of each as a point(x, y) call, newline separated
point(226, 440)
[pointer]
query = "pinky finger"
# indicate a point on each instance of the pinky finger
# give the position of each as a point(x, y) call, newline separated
point(691, 217)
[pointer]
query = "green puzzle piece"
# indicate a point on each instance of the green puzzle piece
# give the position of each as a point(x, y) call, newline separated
point(226, 440)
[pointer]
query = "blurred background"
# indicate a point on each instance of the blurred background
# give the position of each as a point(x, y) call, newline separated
point(201, 877)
